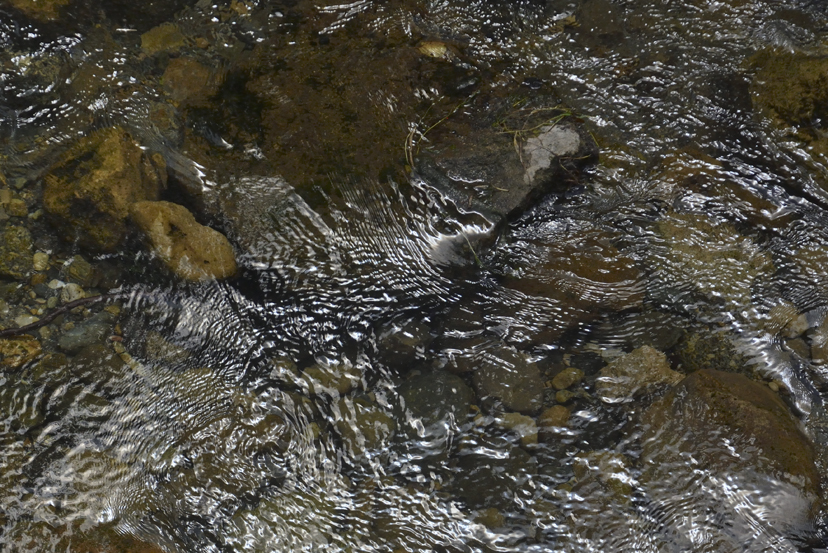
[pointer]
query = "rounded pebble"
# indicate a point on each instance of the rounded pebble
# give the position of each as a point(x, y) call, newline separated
point(40, 261)
point(71, 292)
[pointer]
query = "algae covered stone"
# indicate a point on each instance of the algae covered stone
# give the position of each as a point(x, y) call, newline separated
point(191, 250)
point(16, 258)
point(88, 192)
point(18, 350)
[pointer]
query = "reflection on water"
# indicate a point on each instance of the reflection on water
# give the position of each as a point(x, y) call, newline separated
point(407, 359)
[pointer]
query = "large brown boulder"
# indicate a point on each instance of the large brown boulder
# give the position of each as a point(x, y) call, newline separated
point(189, 249)
point(89, 191)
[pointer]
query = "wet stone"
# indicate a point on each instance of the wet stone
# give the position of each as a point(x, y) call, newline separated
point(722, 425)
point(189, 82)
point(89, 191)
point(92, 331)
point(493, 480)
point(509, 376)
point(567, 378)
point(15, 252)
point(434, 401)
point(80, 271)
point(363, 426)
point(71, 292)
point(191, 250)
point(523, 426)
point(40, 261)
point(163, 38)
point(641, 370)
point(17, 351)
point(331, 378)
point(710, 349)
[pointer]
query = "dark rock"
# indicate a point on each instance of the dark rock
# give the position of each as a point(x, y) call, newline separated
point(487, 480)
point(434, 402)
point(509, 376)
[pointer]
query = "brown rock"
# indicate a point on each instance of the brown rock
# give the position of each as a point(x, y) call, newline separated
point(191, 250)
point(567, 378)
point(17, 351)
point(89, 191)
point(712, 414)
point(554, 417)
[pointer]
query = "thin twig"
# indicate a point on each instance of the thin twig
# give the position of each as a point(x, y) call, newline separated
point(59, 311)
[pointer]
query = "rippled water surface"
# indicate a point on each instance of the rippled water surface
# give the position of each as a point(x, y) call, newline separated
point(633, 360)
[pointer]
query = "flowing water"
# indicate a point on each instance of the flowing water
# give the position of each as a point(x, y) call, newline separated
point(391, 369)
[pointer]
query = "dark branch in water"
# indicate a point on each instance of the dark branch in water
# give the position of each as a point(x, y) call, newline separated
point(59, 311)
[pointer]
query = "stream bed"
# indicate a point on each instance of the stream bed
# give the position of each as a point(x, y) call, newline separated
point(413, 276)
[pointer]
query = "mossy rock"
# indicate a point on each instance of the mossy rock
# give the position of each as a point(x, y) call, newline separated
point(17, 351)
point(88, 192)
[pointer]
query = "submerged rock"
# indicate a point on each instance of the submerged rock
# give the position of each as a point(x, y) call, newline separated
point(16, 252)
point(17, 351)
point(642, 369)
point(488, 479)
point(500, 173)
point(362, 426)
point(44, 10)
point(189, 82)
point(191, 250)
point(701, 258)
point(435, 402)
point(88, 192)
point(718, 426)
point(511, 377)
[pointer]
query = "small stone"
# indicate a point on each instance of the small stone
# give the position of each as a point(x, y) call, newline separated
point(45, 332)
point(490, 518)
point(52, 302)
point(639, 370)
point(773, 386)
point(337, 378)
point(23, 320)
point(114, 309)
point(17, 208)
point(37, 278)
point(79, 271)
point(564, 396)
point(522, 425)
point(36, 214)
point(554, 417)
point(71, 292)
point(163, 38)
point(567, 378)
point(56, 284)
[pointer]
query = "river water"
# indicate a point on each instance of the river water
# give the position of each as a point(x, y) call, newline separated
point(394, 367)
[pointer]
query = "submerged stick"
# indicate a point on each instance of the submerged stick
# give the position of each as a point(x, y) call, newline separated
point(46, 319)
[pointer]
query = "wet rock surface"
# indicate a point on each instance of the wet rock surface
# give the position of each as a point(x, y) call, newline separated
point(191, 250)
point(642, 370)
point(89, 192)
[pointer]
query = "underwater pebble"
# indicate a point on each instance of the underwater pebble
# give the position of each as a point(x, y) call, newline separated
point(52, 302)
point(71, 292)
point(55, 284)
point(40, 261)
point(23, 320)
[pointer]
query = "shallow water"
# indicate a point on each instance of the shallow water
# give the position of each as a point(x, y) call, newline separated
point(332, 397)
